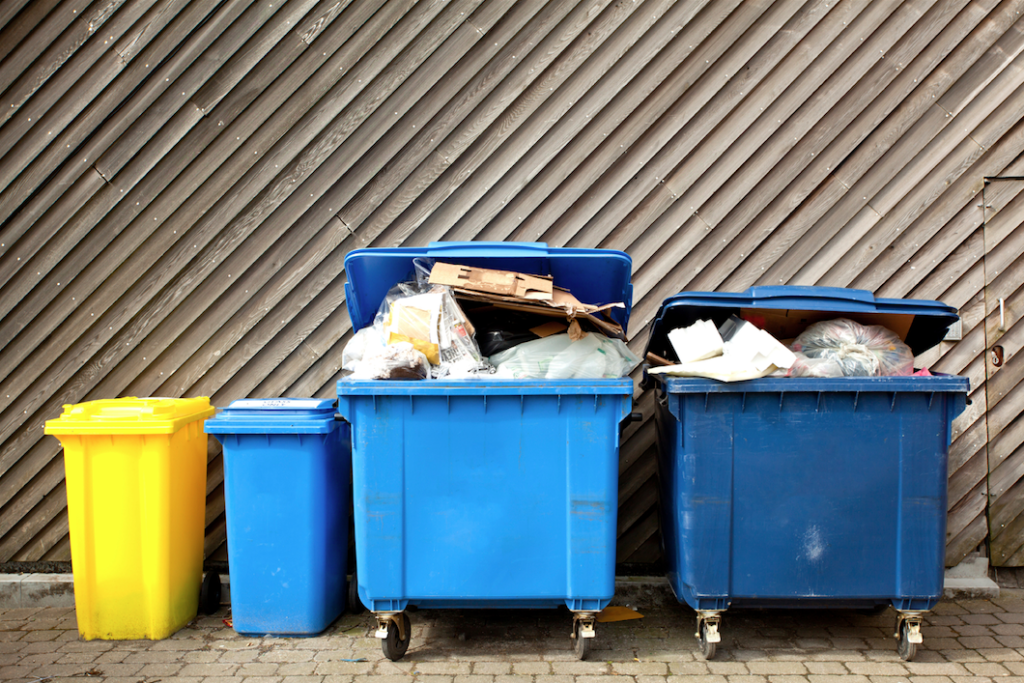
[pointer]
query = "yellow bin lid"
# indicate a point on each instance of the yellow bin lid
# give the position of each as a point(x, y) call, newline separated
point(130, 416)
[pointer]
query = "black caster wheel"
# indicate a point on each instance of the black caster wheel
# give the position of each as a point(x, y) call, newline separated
point(209, 593)
point(394, 647)
point(904, 648)
point(353, 605)
point(707, 650)
point(579, 643)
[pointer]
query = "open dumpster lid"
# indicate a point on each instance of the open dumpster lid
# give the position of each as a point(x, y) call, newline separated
point(787, 310)
point(594, 276)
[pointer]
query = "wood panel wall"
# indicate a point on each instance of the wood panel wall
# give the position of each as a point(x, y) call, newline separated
point(181, 180)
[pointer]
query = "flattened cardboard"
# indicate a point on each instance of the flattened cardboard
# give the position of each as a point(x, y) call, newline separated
point(548, 329)
point(488, 281)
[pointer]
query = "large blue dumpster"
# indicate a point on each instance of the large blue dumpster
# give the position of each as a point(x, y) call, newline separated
point(806, 492)
point(287, 468)
point(483, 492)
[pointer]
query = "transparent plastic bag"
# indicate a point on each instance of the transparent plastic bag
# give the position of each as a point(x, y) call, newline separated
point(399, 361)
point(558, 357)
point(365, 342)
point(844, 348)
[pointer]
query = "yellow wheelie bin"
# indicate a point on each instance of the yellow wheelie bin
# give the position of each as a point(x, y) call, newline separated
point(135, 471)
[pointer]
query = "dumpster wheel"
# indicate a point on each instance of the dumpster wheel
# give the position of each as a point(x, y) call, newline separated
point(394, 635)
point(908, 635)
point(582, 632)
point(707, 633)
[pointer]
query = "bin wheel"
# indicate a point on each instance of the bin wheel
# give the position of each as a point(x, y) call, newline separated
point(579, 643)
point(707, 650)
point(904, 648)
point(394, 647)
point(352, 602)
point(209, 593)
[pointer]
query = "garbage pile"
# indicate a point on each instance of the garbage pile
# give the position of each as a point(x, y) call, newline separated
point(454, 322)
point(738, 350)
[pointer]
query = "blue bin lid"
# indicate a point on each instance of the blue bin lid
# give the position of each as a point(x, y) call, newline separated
point(928, 320)
point(275, 416)
point(594, 276)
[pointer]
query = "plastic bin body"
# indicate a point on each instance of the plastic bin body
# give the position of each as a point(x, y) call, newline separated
point(287, 471)
point(135, 472)
point(804, 492)
point(484, 492)
point(832, 492)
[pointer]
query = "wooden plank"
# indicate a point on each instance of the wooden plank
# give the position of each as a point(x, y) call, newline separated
point(660, 86)
point(168, 171)
point(968, 540)
point(31, 62)
point(638, 534)
point(633, 508)
point(18, 18)
point(812, 197)
point(646, 66)
point(160, 65)
point(72, 54)
point(26, 487)
point(280, 32)
point(747, 147)
point(557, 58)
point(523, 32)
point(120, 340)
point(562, 117)
point(688, 178)
point(724, 54)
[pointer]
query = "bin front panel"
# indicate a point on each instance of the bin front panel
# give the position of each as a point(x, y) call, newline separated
point(781, 496)
point(471, 499)
point(136, 508)
point(286, 505)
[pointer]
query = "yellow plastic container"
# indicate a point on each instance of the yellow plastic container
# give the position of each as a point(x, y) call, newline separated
point(135, 471)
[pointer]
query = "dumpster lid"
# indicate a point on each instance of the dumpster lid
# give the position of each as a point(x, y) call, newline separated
point(130, 415)
point(787, 310)
point(594, 276)
point(275, 416)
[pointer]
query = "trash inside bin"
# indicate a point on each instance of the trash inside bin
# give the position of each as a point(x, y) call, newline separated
point(135, 472)
point(483, 491)
point(799, 491)
point(287, 467)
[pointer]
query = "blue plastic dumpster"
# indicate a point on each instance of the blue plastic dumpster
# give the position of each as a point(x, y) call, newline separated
point(484, 492)
point(287, 467)
point(805, 492)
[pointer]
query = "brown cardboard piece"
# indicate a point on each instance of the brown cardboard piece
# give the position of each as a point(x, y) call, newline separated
point(487, 281)
point(483, 285)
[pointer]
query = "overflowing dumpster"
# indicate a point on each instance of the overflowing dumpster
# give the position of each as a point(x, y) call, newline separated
point(135, 472)
point(791, 491)
point(485, 491)
point(287, 471)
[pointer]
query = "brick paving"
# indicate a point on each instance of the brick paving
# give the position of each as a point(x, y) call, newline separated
point(979, 641)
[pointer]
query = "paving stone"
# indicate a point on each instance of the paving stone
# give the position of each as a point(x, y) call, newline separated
point(1002, 655)
point(705, 678)
point(489, 678)
point(297, 670)
point(727, 668)
point(499, 668)
point(529, 668)
point(640, 668)
point(987, 669)
point(776, 668)
point(832, 668)
point(257, 669)
point(878, 668)
point(209, 669)
point(979, 642)
point(450, 668)
point(161, 670)
point(919, 668)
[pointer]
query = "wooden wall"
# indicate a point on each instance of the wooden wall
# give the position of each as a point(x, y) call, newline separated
point(181, 180)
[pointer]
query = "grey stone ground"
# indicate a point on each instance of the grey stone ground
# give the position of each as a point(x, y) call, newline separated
point(975, 640)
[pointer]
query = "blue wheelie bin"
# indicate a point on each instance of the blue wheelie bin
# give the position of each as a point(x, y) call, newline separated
point(805, 492)
point(287, 467)
point(485, 492)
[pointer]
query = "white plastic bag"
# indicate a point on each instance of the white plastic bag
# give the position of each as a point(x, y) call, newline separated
point(558, 357)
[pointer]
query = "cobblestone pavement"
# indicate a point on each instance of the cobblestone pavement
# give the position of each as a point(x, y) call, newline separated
point(976, 640)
